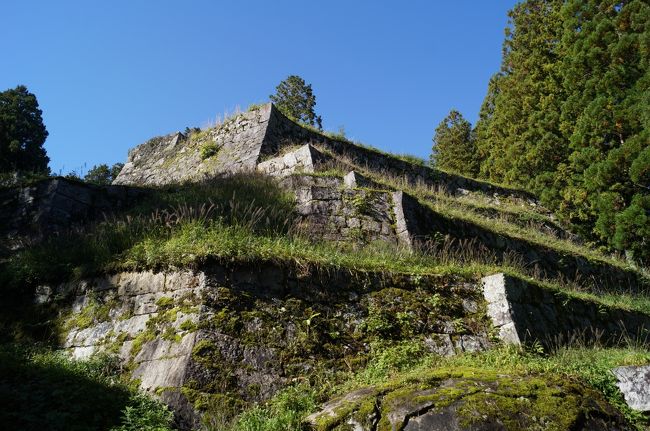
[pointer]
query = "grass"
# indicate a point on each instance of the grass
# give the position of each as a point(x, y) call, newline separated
point(244, 218)
point(44, 390)
point(247, 201)
point(248, 218)
point(284, 412)
point(469, 208)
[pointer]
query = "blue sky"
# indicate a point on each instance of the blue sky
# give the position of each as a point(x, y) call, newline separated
point(109, 75)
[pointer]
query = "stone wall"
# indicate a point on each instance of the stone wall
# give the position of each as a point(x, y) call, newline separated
point(245, 330)
point(177, 158)
point(423, 223)
point(248, 139)
point(345, 209)
point(330, 211)
point(305, 159)
point(283, 132)
point(56, 205)
point(525, 313)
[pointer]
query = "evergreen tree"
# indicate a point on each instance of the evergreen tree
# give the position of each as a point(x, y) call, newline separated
point(296, 100)
point(606, 120)
point(518, 132)
point(22, 132)
point(453, 146)
point(568, 116)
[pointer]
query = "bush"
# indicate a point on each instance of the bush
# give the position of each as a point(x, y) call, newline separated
point(208, 150)
point(284, 412)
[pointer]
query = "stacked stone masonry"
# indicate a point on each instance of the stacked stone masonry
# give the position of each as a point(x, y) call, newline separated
point(523, 312)
point(250, 318)
point(54, 206)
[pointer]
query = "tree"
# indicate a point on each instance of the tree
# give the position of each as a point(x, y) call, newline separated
point(22, 132)
point(102, 174)
point(453, 146)
point(296, 100)
point(568, 116)
point(518, 130)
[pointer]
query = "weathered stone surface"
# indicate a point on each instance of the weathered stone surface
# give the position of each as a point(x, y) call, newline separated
point(331, 410)
point(305, 159)
point(634, 383)
point(331, 212)
point(248, 333)
point(470, 400)
point(354, 179)
point(283, 132)
point(177, 158)
point(56, 205)
point(246, 139)
point(524, 313)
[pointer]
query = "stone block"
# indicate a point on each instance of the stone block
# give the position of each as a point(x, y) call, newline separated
point(524, 312)
point(634, 383)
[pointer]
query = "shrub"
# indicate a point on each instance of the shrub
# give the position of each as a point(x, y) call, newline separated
point(208, 150)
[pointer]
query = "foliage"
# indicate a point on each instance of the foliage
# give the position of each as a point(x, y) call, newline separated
point(22, 132)
point(40, 389)
point(145, 414)
point(208, 150)
point(568, 115)
point(245, 203)
point(296, 100)
point(102, 174)
point(453, 146)
point(284, 412)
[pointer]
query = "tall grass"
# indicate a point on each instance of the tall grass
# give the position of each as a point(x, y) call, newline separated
point(248, 202)
point(516, 218)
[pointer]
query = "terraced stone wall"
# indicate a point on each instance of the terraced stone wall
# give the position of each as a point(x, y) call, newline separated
point(234, 146)
point(238, 332)
point(55, 205)
point(523, 312)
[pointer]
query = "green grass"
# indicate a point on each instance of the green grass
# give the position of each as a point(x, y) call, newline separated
point(468, 208)
point(243, 218)
point(284, 412)
point(44, 390)
point(247, 201)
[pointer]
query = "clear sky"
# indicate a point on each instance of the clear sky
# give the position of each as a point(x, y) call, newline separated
point(111, 74)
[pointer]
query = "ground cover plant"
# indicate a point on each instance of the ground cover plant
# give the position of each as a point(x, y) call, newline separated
point(45, 390)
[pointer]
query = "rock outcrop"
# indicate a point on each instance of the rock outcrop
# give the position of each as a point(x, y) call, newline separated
point(470, 399)
point(634, 383)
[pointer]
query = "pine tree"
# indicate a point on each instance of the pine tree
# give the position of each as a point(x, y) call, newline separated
point(518, 132)
point(568, 116)
point(296, 100)
point(453, 146)
point(22, 132)
point(606, 119)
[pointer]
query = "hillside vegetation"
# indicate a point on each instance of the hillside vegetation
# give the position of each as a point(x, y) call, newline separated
point(283, 278)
